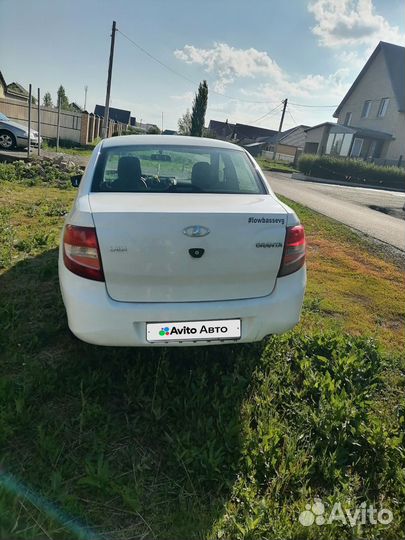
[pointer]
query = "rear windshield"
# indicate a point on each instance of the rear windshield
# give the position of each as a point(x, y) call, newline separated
point(176, 169)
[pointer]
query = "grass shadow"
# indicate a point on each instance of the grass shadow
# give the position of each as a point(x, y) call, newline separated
point(133, 442)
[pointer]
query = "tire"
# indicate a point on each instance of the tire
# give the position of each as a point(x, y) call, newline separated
point(7, 140)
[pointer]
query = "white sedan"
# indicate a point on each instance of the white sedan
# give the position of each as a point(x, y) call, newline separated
point(179, 241)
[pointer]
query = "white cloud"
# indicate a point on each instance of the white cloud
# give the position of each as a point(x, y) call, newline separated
point(351, 22)
point(186, 97)
point(229, 63)
point(352, 28)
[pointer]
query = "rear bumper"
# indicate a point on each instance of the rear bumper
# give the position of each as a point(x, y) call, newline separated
point(95, 318)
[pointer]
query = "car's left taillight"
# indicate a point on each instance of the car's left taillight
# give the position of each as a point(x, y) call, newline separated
point(81, 253)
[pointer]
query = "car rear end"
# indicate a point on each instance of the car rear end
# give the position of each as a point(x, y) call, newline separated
point(183, 260)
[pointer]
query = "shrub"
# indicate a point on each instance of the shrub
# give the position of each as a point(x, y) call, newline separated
point(351, 171)
point(63, 143)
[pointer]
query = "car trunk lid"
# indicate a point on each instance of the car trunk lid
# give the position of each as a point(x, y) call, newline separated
point(149, 253)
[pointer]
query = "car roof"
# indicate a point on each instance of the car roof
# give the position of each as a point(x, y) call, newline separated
point(169, 140)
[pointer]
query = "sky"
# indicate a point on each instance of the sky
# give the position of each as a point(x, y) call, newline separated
point(253, 54)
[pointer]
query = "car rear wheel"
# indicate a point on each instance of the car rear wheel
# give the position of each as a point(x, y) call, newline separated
point(7, 140)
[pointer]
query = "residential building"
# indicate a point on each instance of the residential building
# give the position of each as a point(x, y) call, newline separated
point(75, 107)
point(371, 117)
point(294, 136)
point(244, 134)
point(13, 91)
point(221, 130)
point(116, 115)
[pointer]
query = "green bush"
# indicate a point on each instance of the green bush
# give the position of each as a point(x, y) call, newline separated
point(351, 171)
point(63, 143)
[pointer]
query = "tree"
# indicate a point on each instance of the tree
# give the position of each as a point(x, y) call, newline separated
point(153, 130)
point(199, 110)
point(63, 99)
point(184, 124)
point(47, 100)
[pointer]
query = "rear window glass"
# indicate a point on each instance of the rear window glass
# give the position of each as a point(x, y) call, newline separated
point(175, 169)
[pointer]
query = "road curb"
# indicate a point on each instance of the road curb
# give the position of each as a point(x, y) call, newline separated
point(303, 177)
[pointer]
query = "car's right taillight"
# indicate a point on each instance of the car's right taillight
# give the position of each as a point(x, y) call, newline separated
point(294, 251)
point(81, 253)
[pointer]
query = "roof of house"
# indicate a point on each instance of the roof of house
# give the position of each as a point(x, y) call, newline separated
point(359, 131)
point(284, 134)
point(394, 56)
point(118, 115)
point(221, 129)
point(76, 107)
point(320, 125)
point(244, 131)
point(17, 89)
point(254, 144)
point(372, 134)
point(276, 137)
point(13, 88)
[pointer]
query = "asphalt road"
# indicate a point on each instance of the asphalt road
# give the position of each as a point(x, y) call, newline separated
point(349, 205)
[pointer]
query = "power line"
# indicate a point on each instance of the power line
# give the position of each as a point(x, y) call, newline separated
point(293, 119)
point(154, 58)
point(314, 106)
point(267, 114)
point(194, 83)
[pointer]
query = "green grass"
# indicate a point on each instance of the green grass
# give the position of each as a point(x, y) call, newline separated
point(70, 148)
point(277, 166)
point(213, 442)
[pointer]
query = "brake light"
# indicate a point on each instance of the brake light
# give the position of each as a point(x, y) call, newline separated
point(81, 253)
point(294, 251)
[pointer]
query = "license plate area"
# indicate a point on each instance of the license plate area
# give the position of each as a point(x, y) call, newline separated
point(215, 330)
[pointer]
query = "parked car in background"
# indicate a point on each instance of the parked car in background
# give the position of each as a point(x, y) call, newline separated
point(15, 135)
point(179, 241)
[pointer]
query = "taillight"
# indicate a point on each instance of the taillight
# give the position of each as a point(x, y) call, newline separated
point(81, 253)
point(294, 251)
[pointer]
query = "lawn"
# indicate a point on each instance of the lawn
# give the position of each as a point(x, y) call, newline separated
point(214, 442)
point(277, 166)
point(67, 147)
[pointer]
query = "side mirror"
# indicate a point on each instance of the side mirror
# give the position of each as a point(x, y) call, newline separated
point(76, 180)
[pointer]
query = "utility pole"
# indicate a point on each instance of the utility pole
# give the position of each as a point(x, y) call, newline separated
point(58, 124)
point(85, 96)
point(162, 122)
point(29, 119)
point(39, 122)
point(107, 96)
point(280, 127)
